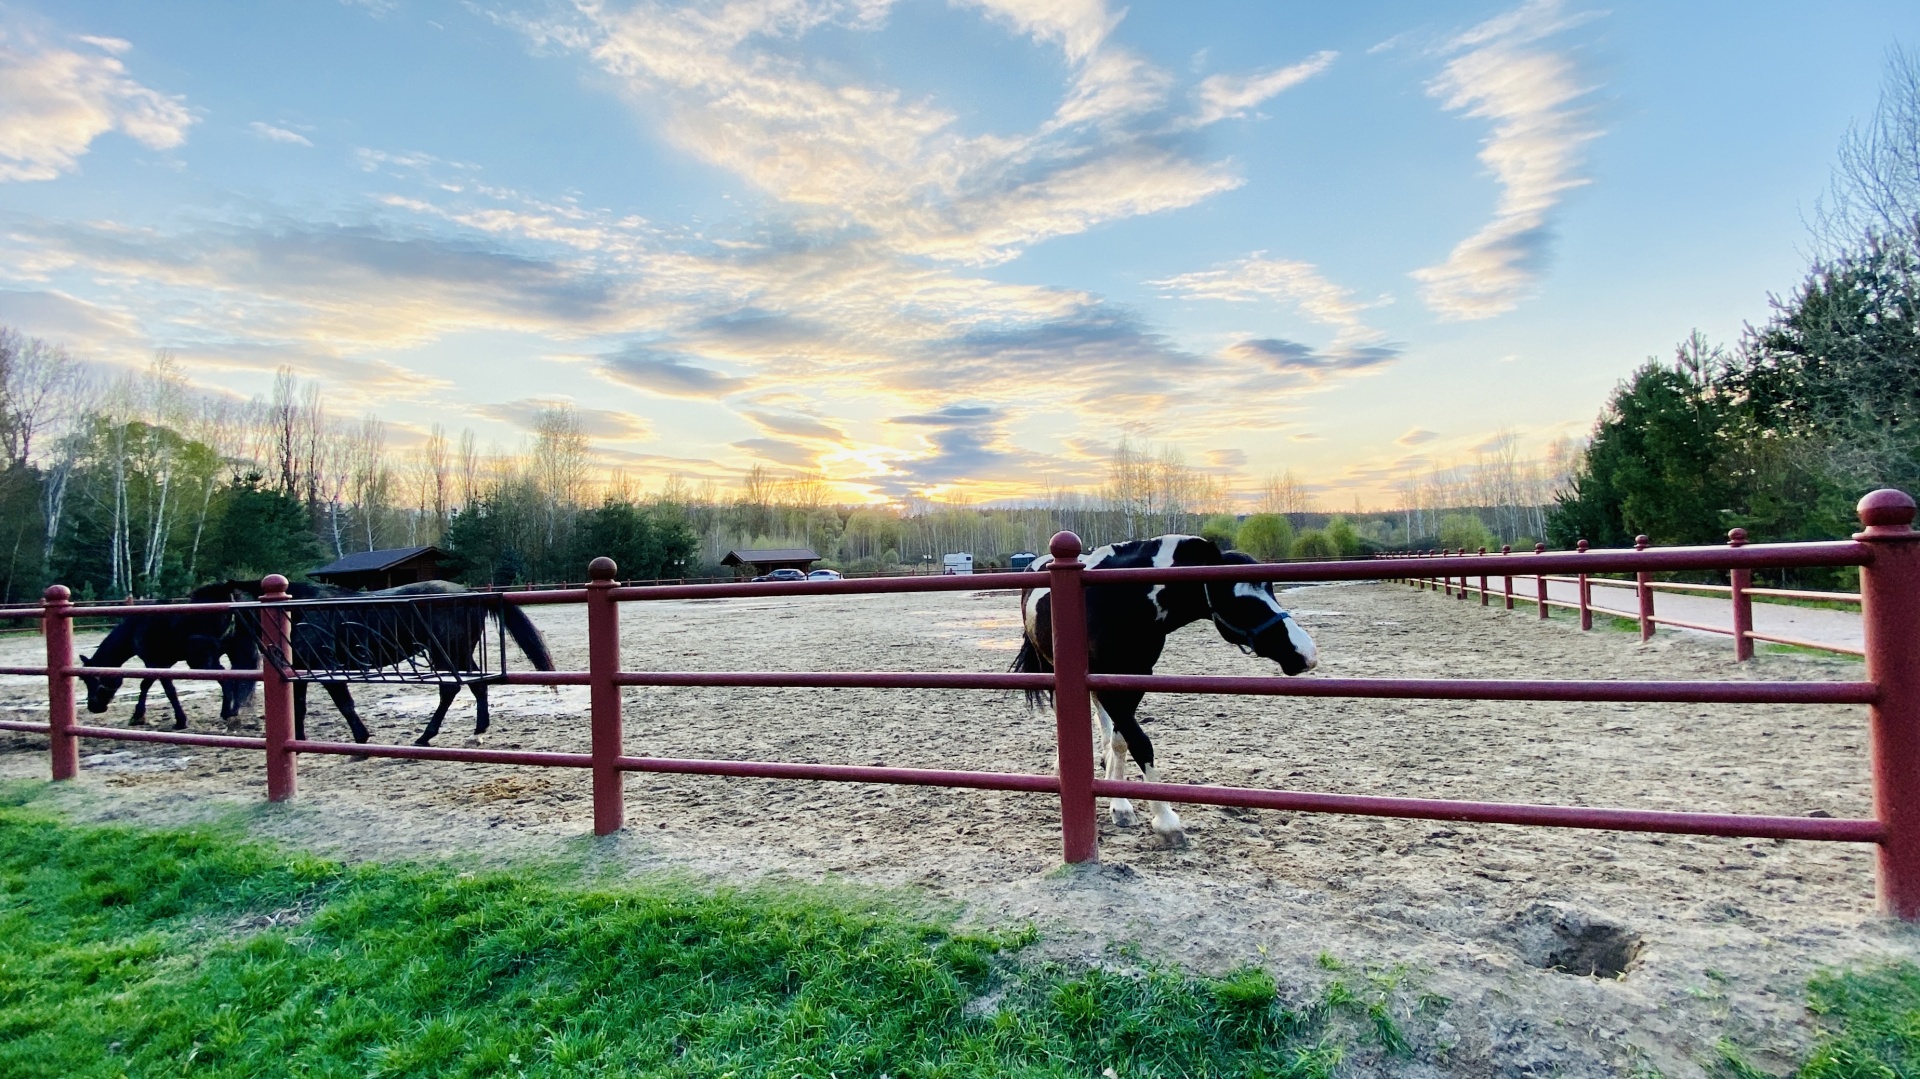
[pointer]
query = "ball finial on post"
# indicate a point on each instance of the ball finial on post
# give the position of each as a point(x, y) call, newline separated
point(273, 586)
point(1064, 545)
point(1887, 512)
point(1539, 548)
point(1640, 542)
point(1736, 537)
point(602, 569)
point(57, 593)
point(1581, 546)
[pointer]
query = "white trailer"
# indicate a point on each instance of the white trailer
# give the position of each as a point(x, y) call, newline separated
point(958, 564)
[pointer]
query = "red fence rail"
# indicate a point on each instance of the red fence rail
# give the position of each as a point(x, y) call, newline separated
point(1885, 551)
point(1739, 591)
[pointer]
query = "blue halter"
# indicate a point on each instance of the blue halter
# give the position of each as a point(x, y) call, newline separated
point(1243, 638)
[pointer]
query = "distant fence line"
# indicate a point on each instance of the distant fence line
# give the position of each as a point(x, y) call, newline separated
point(1740, 591)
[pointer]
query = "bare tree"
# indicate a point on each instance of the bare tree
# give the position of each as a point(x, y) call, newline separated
point(467, 461)
point(38, 381)
point(370, 478)
point(1876, 181)
point(1282, 492)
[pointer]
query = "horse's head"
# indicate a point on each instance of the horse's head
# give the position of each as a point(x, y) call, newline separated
point(100, 688)
point(1247, 614)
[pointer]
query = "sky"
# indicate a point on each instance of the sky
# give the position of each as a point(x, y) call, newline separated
point(946, 249)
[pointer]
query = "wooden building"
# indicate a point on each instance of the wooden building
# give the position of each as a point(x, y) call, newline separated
point(762, 563)
point(384, 569)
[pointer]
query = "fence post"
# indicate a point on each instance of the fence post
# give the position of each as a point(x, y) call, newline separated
point(1447, 552)
point(56, 623)
point(1483, 581)
point(603, 662)
point(1507, 586)
point(1890, 614)
point(1741, 580)
point(1540, 583)
point(276, 692)
point(1586, 593)
point(1072, 708)
point(1644, 593)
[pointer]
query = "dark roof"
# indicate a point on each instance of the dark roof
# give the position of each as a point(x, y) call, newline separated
point(781, 554)
point(367, 561)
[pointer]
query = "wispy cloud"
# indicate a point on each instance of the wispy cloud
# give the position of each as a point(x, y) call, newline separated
point(598, 423)
point(1312, 364)
point(1502, 72)
point(54, 102)
point(1257, 278)
point(1417, 437)
point(668, 376)
point(278, 134)
point(1220, 97)
point(842, 156)
point(795, 426)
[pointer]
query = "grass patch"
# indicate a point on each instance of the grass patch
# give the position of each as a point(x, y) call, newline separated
point(1768, 648)
point(196, 951)
point(1870, 1023)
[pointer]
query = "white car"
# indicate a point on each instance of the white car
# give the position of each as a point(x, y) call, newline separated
point(824, 575)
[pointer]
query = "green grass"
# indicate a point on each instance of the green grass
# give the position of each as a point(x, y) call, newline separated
point(1870, 1021)
point(197, 952)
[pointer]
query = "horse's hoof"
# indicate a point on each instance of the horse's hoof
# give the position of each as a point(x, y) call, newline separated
point(1124, 816)
point(1175, 839)
point(138, 720)
point(423, 740)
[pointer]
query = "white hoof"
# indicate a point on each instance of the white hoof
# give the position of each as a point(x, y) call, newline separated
point(1123, 814)
point(1166, 824)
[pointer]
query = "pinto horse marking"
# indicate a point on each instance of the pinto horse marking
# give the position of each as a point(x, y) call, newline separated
point(1127, 628)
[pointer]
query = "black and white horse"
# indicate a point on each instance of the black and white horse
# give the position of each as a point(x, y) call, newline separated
point(1127, 628)
point(161, 639)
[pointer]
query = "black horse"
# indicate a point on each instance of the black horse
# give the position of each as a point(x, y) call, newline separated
point(1127, 628)
point(161, 639)
point(370, 636)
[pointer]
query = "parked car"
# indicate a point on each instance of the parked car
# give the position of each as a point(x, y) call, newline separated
point(782, 575)
point(824, 575)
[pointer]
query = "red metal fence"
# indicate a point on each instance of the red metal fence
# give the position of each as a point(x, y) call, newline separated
point(1740, 592)
point(1886, 552)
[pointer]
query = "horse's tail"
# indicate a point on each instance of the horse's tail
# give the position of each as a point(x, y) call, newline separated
point(526, 635)
point(1029, 660)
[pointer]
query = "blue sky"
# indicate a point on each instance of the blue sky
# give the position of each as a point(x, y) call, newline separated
point(934, 247)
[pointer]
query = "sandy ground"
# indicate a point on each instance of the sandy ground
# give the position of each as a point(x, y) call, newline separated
point(1732, 928)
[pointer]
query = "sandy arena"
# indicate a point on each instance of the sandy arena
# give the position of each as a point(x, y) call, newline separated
point(1732, 928)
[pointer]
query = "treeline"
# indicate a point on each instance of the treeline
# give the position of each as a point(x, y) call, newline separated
point(138, 485)
point(1783, 432)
